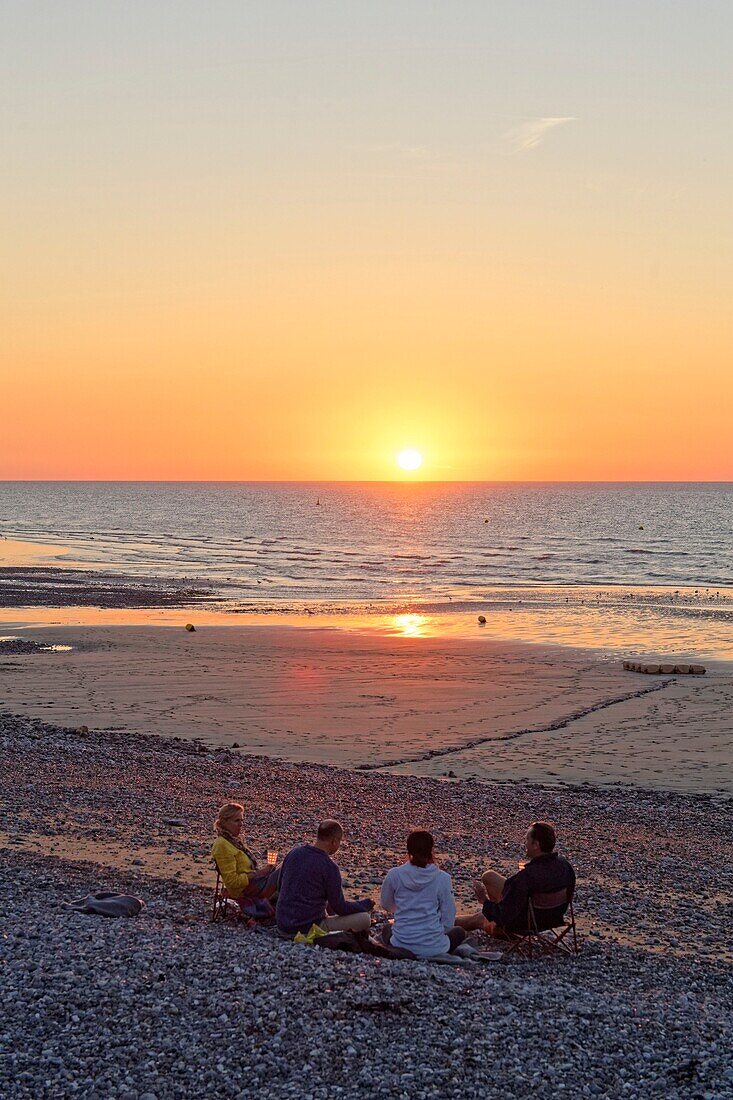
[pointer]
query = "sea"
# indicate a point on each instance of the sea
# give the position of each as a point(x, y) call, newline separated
point(643, 569)
point(392, 543)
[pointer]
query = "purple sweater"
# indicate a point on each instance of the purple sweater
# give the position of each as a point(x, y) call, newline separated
point(309, 881)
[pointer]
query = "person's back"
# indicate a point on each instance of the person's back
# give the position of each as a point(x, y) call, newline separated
point(304, 888)
point(310, 883)
point(423, 906)
point(549, 873)
point(421, 897)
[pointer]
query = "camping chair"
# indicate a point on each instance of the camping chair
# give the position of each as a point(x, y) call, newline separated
point(223, 904)
point(550, 918)
point(248, 911)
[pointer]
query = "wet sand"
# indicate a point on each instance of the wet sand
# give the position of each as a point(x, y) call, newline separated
point(439, 706)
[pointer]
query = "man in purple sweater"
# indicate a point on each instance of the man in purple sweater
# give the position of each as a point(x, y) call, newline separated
point(310, 881)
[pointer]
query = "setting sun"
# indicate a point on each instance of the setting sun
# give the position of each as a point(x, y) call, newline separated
point(409, 459)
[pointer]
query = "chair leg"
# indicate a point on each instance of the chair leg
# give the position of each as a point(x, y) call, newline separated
point(219, 908)
point(536, 944)
point(559, 941)
point(572, 922)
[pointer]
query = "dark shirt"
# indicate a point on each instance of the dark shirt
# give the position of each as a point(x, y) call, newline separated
point(310, 881)
point(542, 875)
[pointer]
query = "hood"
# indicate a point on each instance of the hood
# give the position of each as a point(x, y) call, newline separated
point(418, 878)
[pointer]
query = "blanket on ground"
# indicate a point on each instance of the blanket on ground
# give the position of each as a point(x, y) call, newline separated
point(108, 905)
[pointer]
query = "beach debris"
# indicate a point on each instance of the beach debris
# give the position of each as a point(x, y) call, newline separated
point(190, 626)
point(664, 669)
point(482, 619)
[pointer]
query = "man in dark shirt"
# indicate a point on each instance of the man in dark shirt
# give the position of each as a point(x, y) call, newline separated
point(505, 899)
point(310, 882)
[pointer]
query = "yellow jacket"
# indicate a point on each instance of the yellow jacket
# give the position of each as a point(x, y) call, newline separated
point(234, 866)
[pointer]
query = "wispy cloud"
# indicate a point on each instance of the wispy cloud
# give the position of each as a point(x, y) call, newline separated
point(530, 133)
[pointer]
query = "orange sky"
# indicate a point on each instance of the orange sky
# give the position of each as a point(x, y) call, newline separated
point(264, 249)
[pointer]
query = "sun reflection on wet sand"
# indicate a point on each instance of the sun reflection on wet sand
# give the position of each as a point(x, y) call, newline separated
point(639, 624)
point(411, 626)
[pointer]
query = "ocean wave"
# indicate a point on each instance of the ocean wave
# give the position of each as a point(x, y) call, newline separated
point(370, 538)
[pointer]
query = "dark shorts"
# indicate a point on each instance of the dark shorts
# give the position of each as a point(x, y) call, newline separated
point(491, 911)
point(455, 935)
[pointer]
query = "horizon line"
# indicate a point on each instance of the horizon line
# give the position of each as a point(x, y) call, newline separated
point(359, 481)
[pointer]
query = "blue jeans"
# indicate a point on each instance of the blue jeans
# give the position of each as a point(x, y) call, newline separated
point(263, 883)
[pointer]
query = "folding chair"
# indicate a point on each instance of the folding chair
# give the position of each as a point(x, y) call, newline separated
point(550, 918)
point(223, 904)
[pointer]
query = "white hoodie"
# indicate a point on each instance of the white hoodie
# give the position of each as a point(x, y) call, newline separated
point(422, 901)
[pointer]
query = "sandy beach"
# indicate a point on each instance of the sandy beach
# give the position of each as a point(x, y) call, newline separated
point(486, 709)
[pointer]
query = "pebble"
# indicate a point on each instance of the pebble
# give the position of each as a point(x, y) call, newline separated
point(162, 1006)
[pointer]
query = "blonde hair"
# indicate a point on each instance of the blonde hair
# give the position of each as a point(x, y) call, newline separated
point(225, 812)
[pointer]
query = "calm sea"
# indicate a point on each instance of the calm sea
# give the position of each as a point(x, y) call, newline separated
point(285, 543)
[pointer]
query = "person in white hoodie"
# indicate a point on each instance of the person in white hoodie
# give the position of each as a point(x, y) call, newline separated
point(421, 897)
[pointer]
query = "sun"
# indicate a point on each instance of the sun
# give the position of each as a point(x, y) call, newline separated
point(409, 459)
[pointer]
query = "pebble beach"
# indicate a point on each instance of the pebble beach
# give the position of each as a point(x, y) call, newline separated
point(167, 1004)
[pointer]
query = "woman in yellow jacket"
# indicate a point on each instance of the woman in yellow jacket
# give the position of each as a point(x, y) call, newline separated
point(249, 885)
